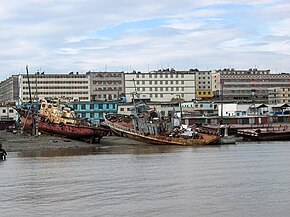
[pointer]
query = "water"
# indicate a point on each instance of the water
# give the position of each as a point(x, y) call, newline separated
point(247, 179)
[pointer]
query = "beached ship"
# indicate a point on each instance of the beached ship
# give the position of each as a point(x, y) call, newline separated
point(56, 118)
point(147, 125)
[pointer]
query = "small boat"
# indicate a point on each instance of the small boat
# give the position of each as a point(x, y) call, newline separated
point(146, 125)
point(56, 118)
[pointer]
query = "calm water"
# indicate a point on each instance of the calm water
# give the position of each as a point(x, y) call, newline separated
point(247, 179)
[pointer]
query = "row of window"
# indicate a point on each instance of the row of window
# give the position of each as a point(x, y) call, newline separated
point(55, 76)
point(80, 98)
point(203, 78)
point(106, 96)
point(159, 75)
point(58, 93)
point(160, 88)
point(106, 75)
point(255, 85)
point(56, 82)
point(204, 87)
point(204, 93)
point(159, 82)
point(99, 115)
point(203, 82)
point(10, 111)
point(160, 95)
point(56, 87)
point(108, 88)
point(94, 106)
point(257, 80)
point(107, 82)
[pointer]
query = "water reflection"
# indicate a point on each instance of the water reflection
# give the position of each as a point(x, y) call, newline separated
point(121, 149)
point(58, 152)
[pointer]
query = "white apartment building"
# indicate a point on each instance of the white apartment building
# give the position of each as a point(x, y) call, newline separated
point(161, 86)
point(71, 86)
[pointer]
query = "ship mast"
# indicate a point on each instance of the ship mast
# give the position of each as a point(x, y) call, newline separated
point(33, 130)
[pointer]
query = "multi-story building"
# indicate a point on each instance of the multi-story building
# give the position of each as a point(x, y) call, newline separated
point(216, 86)
point(106, 86)
point(161, 86)
point(9, 89)
point(279, 95)
point(71, 86)
point(93, 111)
point(250, 85)
point(203, 85)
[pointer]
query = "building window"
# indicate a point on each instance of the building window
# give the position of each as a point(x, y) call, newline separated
point(100, 106)
point(91, 106)
point(92, 115)
point(83, 106)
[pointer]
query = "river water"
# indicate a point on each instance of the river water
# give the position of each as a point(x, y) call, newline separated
point(246, 179)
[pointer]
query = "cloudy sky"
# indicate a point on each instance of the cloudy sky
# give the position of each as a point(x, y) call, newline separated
point(59, 36)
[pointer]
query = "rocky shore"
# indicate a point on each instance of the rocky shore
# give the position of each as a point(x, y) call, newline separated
point(17, 142)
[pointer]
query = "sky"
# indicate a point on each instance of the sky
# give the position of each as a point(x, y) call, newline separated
point(60, 36)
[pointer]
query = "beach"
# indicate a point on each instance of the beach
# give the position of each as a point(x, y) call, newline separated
point(17, 142)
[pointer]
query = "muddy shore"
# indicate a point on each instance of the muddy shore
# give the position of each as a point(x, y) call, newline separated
point(17, 142)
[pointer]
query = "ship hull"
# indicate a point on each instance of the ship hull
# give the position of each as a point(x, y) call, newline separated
point(77, 132)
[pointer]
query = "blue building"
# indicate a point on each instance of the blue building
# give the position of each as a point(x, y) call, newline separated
point(94, 111)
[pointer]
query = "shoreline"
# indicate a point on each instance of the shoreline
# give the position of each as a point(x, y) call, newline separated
point(16, 142)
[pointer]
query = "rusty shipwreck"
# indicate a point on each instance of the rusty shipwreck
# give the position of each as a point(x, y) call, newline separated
point(59, 119)
point(147, 125)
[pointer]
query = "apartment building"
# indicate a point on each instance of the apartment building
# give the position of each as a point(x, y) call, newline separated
point(72, 86)
point(250, 85)
point(93, 111)
point(9, 89)
point(203, 84)
point(106, 86)
point(161, 86)
point(279, 95)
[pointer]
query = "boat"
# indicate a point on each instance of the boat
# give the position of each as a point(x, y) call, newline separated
point(147, 125)
point(266, 134)
point(6, 122)
point(58, 118)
